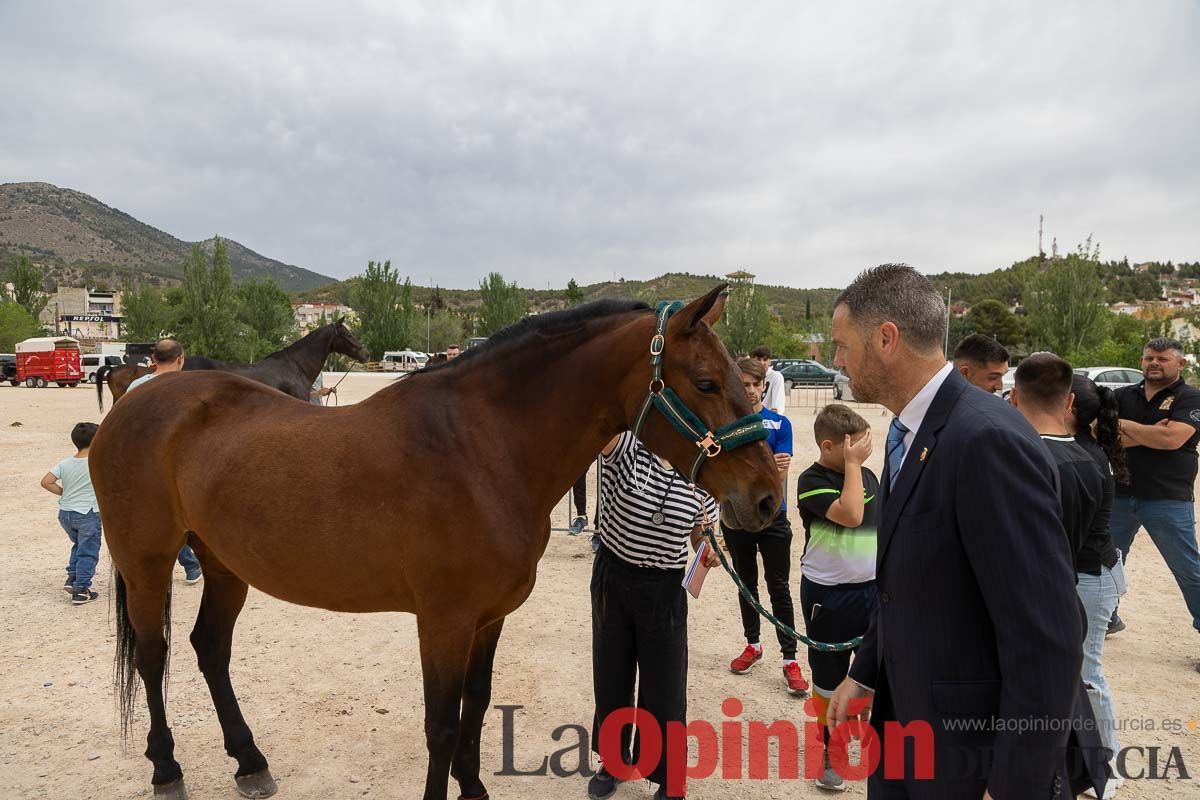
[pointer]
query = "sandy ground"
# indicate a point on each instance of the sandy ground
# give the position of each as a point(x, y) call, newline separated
point(335, 700)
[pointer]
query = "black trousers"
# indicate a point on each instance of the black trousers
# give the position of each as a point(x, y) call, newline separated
point(579, 490)
point(639, 634)
point(775, 545)
point(834, 614)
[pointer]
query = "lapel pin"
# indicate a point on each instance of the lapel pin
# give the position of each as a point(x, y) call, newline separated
point(924, 452)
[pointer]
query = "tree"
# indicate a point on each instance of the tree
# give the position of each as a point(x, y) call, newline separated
point(746, 320)
point(265, 311)
point(1066, 302)
point(992, 318)
point(501, 304)
point(16, 324)
point(27, 287)
point(574, 293)
point(445, 329)
point(207, 325)
point(147, 315)
point(384, 307)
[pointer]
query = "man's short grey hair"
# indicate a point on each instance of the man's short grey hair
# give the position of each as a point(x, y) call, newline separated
point(1163, 344)
point(899, 294)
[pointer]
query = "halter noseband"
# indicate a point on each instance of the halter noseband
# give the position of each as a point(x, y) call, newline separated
point(708, 442)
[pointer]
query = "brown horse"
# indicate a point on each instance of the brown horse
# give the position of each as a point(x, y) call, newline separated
point(228, 463)
point(291, 370)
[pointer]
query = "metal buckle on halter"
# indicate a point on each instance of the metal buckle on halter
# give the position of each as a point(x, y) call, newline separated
point(661, 385)
point(709, 445)
point(657, 344)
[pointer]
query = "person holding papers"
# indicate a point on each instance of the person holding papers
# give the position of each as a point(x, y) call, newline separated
point(648, 515)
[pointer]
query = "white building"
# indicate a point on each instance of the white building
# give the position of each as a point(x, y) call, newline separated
point(308, 315)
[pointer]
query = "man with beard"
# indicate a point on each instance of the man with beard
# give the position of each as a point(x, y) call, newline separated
point(977, 618)
point(1160, 426)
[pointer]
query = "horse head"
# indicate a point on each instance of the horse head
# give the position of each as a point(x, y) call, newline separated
point(345, 343)
point(698, 370)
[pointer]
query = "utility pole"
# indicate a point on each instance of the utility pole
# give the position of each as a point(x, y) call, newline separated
point(428, 317)
point(1041, 252)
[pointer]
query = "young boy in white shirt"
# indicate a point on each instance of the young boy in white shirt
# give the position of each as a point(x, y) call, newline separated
point(78, 513)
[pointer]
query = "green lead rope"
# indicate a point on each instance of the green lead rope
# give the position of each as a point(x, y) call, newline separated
point(823, 647)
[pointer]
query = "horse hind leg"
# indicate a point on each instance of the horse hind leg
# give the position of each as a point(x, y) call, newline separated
point(144, 630)
point(477, 695)
point(212, 639)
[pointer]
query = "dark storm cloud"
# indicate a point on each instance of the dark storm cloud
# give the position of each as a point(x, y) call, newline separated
point(551, 140)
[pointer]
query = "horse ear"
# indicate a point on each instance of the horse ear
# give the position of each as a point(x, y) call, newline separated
point(705, 309)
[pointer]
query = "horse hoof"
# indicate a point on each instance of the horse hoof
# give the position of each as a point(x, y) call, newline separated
point(257, 785)
point(175, 790)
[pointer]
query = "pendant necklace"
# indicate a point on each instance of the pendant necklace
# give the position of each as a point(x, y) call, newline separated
point(658, 518)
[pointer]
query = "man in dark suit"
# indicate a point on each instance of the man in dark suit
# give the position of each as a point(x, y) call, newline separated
point(977, 630)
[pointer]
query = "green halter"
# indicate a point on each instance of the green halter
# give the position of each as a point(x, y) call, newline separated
point(708, 442)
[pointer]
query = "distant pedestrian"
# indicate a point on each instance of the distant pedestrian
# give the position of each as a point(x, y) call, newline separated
point(452, 352)
point(776, 394)
point(78, 513)
point(982, 361)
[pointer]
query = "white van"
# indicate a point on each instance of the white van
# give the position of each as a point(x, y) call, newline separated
point(91, 363)
point(403, 361)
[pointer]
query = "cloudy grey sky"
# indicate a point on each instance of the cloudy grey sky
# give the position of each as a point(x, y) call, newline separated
point(547, 140)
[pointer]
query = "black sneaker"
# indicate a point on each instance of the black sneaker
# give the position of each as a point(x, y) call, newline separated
point(69, 587)
point(577, 526)
point(1115, 625)
point(601, 785)
point(81, 596)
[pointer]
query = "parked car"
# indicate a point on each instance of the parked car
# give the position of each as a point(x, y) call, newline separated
point(810, 373)
point(49, 359)
point(8, 368)
point(1111, 377)
point(403, 361)
point(93, 362)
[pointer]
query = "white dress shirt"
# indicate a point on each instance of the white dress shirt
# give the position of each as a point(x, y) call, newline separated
point(913, 414)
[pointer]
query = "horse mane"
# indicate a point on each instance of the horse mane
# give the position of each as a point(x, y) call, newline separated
point(550, 323)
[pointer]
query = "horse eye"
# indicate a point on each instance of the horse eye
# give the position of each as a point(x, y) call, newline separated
point(708, 387)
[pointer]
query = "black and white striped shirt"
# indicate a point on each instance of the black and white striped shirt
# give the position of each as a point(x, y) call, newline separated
point(633, 487)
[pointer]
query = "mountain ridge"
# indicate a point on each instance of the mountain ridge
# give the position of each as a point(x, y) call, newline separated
point(77, 237)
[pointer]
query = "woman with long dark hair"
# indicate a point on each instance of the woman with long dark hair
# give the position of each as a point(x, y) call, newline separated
point(1101, 576)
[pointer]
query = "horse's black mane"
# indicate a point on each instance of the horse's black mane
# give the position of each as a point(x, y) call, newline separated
point(549, 323)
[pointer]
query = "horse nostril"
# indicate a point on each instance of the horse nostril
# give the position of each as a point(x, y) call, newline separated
point(767, 507)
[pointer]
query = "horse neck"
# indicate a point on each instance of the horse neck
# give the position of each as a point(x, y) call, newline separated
point(309, 353)
point(555, 404)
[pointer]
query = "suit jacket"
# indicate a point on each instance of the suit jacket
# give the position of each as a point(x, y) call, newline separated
point(977, 628)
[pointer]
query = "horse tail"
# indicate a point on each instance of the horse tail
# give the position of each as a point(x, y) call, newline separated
point(101, 374)
point(125, 675)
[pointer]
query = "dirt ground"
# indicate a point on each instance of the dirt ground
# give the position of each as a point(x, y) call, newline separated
point(335, 702)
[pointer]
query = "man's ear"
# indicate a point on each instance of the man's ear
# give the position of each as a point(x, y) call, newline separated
point(1071, 403)
point(965, 369)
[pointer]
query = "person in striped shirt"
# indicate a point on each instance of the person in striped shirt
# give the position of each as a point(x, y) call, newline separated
point(648, 516)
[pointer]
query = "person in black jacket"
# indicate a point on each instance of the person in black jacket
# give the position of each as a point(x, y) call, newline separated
point(1095, 422)
point(977, 630)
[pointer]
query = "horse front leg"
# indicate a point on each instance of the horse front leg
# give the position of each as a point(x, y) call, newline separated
point(477, 695)
point(445, 651)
